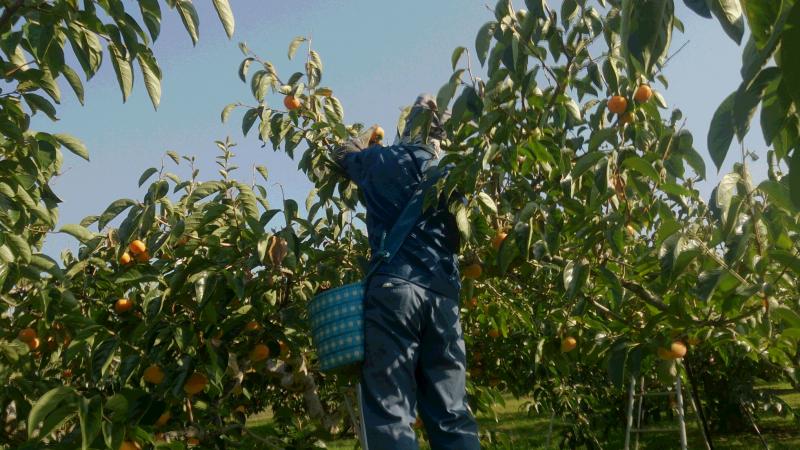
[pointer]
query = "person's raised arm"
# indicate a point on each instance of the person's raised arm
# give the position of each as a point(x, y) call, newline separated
point(347, 155)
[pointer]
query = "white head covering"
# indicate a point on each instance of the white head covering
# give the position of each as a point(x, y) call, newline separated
point(423, 125)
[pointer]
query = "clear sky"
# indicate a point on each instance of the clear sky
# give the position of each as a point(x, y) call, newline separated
point(377, 54)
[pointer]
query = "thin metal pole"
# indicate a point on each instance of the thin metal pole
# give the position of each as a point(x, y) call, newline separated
point(362, 436)
point(351, 411)
point(629, 424)
point(681, 421)
point(639, 413)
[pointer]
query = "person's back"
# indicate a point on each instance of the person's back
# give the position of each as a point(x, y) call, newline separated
point(387, 178)
point(415, 358)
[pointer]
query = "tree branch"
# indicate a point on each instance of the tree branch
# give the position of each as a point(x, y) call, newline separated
point(648, 297)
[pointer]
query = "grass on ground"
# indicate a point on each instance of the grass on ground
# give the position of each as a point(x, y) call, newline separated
point(531, 432)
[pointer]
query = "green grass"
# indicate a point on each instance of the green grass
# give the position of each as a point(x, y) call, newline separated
point(530, 432)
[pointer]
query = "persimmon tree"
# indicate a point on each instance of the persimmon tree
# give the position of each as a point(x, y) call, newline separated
point(589, 254)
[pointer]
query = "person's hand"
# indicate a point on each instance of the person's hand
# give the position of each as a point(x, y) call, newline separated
point(376, 137)
point(370, 136)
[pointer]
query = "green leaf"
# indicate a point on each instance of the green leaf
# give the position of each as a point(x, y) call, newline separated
point(189, 18)
point(707, 284)
point(336, 107)
point(147, 174)
point(263, 172)
point(73, 145)
point(102, 356)
point(39, 103)
point(785, 314)
point(748, 97)
point(175, 158)
point(611, 74)
point(244, 67)
point(794, 177)
point(6, 255)
point(721, 131)
point(775, 110)
point(569, 9)
point(48, 83)
point(459, 210)
point(646, 33)
point(20, 247)
point(487, 202)
point(113, 210)
point(699, 6)
point(573, 110)
point(790, 48)
point(312, 195)
point(729, 14)
point(290, 209)
point(225, 16)
point(78, 232)
point(537, 7)
point(74, 81)
point(151, 14)
point(595, 75)
point(788, 260)
point(247, 200)
point(94, 53)
point(687, 151)
point(249, 119)
point(508, 251)
point(725, 192)
point(446, 94)
point(642, 166)
point(204, 190)
point(46, 404)
point(227, 112)
point(152, 76)
point(122, 67)
point(586, 162)
point(457, 55)
point(90, 415)
point(575, 276)
point(294, 45)
point(484, 40)
point(761, 16)
point(47, 264)
point(616, 363)
point(777, 193)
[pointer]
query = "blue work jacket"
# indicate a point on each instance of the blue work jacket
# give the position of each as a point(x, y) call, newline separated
point(387, 177)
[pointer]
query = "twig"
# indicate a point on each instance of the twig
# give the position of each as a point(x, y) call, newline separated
point(266, 441)
point(469, 69)
point(720, 321)
point(189, 410)
point(609, 312)
point(666, 61)
point(642, 292)
point(753, 422)
point(698, 406)
point(18, 68)
point(719, 261)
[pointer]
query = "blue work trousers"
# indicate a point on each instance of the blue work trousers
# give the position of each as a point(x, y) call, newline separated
point(415, 361)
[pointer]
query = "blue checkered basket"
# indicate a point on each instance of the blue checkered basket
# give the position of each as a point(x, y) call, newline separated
point(337, 326)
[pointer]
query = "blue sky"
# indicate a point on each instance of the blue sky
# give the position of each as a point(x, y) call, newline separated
point(378, 55)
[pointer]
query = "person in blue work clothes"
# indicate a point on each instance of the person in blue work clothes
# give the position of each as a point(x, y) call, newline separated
point(415, 358)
